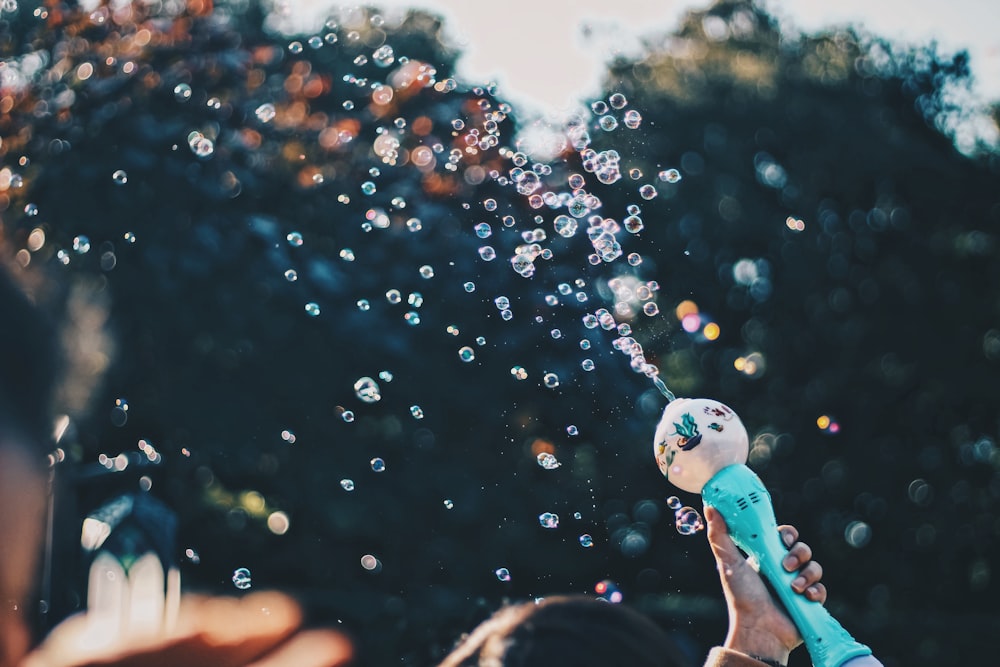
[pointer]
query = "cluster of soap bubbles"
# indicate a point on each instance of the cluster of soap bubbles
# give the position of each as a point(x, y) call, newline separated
point(471, 155)
point(687, 520)
point(605, 165)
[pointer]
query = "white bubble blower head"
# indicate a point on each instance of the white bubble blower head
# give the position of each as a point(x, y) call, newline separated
point(701, 446)
point(695, 439)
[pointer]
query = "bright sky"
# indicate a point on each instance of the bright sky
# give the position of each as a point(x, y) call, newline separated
point(536, 51)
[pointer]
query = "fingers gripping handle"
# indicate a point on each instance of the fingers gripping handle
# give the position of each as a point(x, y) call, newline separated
point(745, 504)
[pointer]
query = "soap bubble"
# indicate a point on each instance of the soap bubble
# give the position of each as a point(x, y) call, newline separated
point(182, 92)
point(548, 461)
point(426, 271)
point(200, 145)
point(448, 504)
point(528, 182)
point(608, 123)
point(587, 364)
point(550, 380)
point(241, 578)
point(416, 412)
point(647, 192)
point(519, 373)
point(347, 484)
point(81, 244)
point(466, 354)
point(565, 226)
point(858, 534)
point(487, 253)
point(119, 413)
point(586, 541)
point(367, 390)
point(572, 429)
point(669, 175)
point(617, 101)
point(312, 309)
point(469, 286)
point(502, 574)
point(265, 112)
point(288, 436)
point(294, 239)
point(633, 119)
point(119, 177)
point(378, 465)
point(291, 275)
point(483, 230)
point(674, 503)
point(347, 416)
point(548, 520)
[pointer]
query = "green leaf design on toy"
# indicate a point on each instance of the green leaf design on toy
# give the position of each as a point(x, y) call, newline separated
point(688, 430)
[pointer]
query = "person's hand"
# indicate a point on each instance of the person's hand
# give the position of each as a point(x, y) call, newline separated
point(758, 624)
point(258, 630)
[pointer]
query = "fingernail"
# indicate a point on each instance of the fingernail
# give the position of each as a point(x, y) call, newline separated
point(812, 591)
point(799, 583)
point(790, 562)
point(787, 538)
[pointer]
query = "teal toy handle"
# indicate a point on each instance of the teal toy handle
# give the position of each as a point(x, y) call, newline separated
point(739, 495)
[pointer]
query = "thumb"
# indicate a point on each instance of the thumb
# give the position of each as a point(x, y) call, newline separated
point(725, 550)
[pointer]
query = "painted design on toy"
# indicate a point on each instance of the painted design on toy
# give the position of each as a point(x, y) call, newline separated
point(688, 430)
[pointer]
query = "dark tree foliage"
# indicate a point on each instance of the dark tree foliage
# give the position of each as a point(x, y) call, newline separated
point(825, 222)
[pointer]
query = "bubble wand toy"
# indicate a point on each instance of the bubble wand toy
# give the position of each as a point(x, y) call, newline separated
point(701, 446)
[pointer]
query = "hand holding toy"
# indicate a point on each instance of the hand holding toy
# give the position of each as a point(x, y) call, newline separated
point(701, 446)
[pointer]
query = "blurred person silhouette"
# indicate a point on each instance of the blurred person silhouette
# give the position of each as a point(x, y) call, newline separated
point(259, 630)
point(587, 631)
point(28, 369)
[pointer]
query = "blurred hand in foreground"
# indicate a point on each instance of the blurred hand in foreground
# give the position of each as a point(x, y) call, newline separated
point(258, 630)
